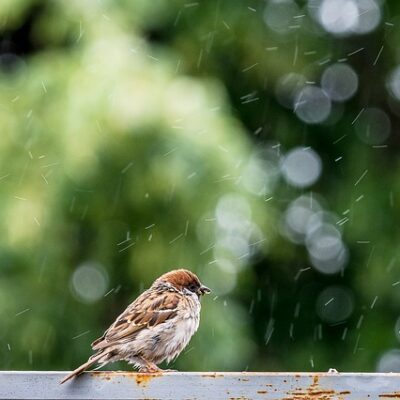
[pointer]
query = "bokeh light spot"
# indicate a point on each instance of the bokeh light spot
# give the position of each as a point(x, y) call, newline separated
point(312, 105)
point(287, 88)
point(373, 126)
point(328, 254)
point(298, 216)
point(339, 16)
point(339, 81)
point(335, 304)
point(89, 282)
point(279, 15)
point(389, 361)
point(393, 83)
point(301, 167)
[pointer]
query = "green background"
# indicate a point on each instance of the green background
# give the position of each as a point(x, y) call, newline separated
point(140, 136)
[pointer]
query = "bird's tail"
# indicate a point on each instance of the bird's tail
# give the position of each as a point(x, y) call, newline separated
point(92, 360)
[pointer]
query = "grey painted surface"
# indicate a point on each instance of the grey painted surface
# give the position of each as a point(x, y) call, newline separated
point(197, 385)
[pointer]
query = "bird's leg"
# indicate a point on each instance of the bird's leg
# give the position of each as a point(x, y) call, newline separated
point(149, 368)
point(144, 366)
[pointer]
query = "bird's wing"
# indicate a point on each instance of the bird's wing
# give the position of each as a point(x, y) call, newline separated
point(151, 308)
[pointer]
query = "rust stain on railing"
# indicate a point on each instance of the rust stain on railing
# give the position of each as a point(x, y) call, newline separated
point(145, 379)
point(315, 391)
point(212, 375)
point(141, 379)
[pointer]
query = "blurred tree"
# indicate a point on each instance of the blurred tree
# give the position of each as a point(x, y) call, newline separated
point(253, 142)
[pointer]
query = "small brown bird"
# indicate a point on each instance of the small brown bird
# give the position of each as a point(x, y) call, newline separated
point(157, 326)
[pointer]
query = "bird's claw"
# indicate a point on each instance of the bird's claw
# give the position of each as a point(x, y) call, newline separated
point(150, 369)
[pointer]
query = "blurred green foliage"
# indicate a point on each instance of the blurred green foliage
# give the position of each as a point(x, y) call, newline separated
point(142, 136)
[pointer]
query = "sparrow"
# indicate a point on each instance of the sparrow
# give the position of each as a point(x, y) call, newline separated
point(155, 327)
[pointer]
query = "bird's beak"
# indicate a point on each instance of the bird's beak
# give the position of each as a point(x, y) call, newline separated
point(204, 290)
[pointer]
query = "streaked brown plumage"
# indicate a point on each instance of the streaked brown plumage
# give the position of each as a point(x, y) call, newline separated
point(157, 326)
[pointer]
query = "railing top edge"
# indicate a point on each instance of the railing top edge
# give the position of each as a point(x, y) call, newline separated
point(210, 373)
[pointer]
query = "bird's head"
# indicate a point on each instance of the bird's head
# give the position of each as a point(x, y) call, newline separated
point(183, 279)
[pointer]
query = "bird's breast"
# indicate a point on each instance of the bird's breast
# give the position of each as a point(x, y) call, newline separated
point(181, 333)
point(165, 341)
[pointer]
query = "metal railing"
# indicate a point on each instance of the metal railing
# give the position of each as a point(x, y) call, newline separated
point(200, 385)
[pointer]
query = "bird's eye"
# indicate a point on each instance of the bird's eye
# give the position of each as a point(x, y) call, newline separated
point(193, 288)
